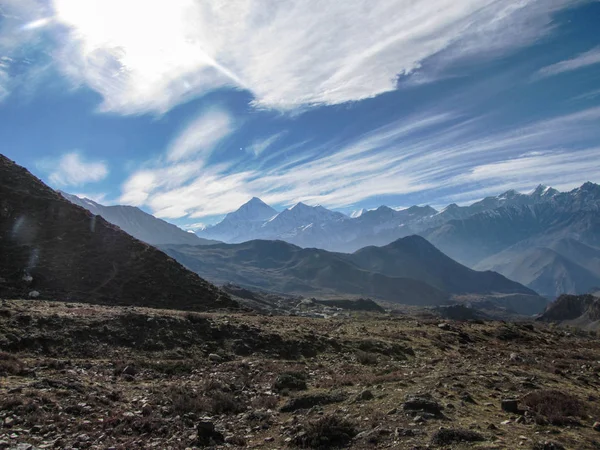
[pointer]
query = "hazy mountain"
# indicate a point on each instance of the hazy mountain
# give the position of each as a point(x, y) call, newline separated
point(409, 271)
point(551, 245)
point(281, 267)
point(53, 249)
point(544, 270)
point(139, 224)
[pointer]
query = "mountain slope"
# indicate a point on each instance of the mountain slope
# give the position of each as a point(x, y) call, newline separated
point(410, 271)
point(414, 257)
point(140, 225)
point(282, 267)
point(64, 252)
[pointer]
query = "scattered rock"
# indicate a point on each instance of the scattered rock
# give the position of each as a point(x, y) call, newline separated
point(547, 445)
point(596, 426)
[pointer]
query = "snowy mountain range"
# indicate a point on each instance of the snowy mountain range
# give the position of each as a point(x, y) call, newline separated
point(316, 226)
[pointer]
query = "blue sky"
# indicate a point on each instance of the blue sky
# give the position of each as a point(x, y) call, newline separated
point(187, 109)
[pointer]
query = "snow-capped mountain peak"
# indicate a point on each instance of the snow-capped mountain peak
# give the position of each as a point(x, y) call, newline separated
point(253, 210)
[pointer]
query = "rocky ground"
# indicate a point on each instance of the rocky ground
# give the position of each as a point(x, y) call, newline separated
point(98, 377)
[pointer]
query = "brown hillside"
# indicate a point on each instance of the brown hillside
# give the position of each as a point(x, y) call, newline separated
point(61, 251)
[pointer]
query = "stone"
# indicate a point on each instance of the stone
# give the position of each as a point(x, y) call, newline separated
point(214, 357)
point(207, 435)
point(596, 426)
point(510, 405)
point(34, 294)
point(364, 396)
point(422, 404)
point(129, 370)
point(392, 411)
point(292, 381)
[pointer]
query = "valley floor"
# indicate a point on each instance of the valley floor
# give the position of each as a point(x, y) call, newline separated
point(97, 377)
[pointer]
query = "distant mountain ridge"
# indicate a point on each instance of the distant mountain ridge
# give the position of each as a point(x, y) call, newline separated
point(139, 224)
point(408, 271)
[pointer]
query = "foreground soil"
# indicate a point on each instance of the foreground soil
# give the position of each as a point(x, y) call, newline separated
point(98, 377)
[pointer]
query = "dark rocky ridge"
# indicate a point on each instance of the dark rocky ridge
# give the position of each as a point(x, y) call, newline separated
point(54, 249)
point(578, 310)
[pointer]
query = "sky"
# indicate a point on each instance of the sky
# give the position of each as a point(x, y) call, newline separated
point(188, 108)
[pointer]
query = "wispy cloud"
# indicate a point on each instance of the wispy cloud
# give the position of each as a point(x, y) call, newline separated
point(201, 135)
point(586, 59)
point(260, 145)
point(157, 54)
point(71, 169)
point(438, 153)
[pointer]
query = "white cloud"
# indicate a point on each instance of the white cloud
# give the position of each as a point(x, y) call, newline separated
point(149, 56)
point(586, 59)
point(201, 135)
point(72, 170)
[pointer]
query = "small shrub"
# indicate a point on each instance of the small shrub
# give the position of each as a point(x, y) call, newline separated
point(451, 436)
point(366, 358)
point(225, 403)
point(292, 381)
point(326, 432)
point(265, 402)
point(555, 407)
point(185, 401)
point(10, 365)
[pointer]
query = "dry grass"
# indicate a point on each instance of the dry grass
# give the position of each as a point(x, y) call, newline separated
point(555, 407)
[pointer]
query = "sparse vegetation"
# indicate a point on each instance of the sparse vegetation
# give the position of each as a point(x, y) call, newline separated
point(366, 358)
point(325, 432)
point(448, 436)
point(555, 407)
point(137, 378)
